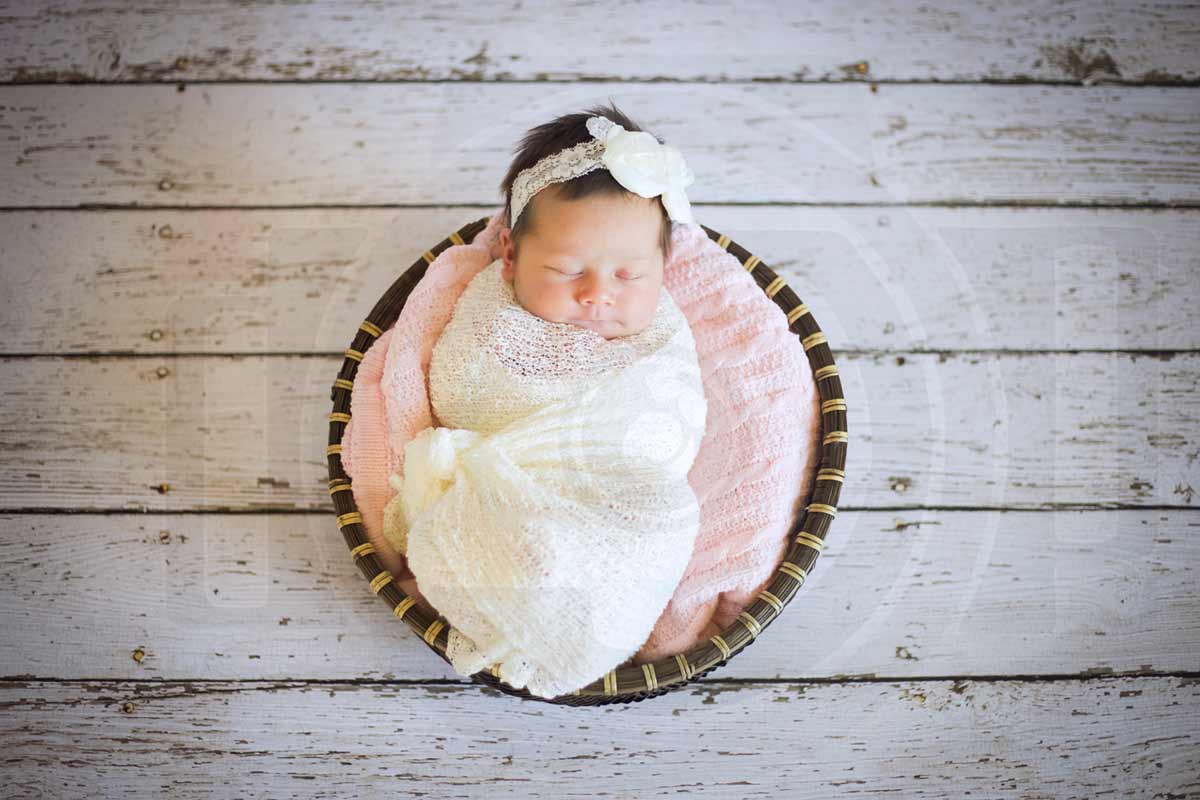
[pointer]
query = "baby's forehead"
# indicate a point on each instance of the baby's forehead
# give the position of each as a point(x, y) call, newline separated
point(562, 196)
point(597, 244)
point(620, 225)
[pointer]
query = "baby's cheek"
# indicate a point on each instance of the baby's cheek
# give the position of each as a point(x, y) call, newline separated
point(648, 302)
point(559, 300)
point(546, 301)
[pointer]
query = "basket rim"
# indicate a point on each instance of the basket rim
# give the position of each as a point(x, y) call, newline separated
point(636, 682)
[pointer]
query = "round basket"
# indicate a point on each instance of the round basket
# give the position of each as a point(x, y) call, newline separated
point(638, 682)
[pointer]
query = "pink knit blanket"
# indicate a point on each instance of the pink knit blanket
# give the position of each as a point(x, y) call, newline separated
point(756, 462)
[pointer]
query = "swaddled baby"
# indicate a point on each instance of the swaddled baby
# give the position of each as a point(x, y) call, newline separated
point(549, 517)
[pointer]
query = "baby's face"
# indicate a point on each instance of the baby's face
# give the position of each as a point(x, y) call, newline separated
point(594, 262)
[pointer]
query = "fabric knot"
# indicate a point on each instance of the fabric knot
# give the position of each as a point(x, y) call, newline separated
point(432, 460)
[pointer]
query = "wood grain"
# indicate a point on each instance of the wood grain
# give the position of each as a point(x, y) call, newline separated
point(886, 278)
point(990, 210)
point(286, 145)
point(991, 430)
point(928, 738)
point(898, 594)
point(755, 40)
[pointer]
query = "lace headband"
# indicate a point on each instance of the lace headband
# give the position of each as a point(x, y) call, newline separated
point(635, 158)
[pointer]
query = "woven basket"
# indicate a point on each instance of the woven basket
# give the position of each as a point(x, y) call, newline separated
point(637, 682)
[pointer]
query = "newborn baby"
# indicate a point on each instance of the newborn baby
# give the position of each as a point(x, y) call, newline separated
point(582, 290)
point(549, 517)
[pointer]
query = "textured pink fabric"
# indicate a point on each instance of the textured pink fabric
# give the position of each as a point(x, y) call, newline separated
point(755, 466)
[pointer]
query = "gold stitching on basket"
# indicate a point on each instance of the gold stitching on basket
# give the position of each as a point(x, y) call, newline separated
point(822, 508)
point(831, 474)
point(796, 313)
point(428, 256)
point(454, 237)
point(685, 669)
point(752, 625)
point(381, 580)
point(826, 371)
point(723, 241)
point(722, 645)
point(794, 570)
point(650, 675)
point(836, 436)
point(371, 328)
point(773, 601)
point(348, 518)
point(751, 262)
point(339, 416)
point(813, 537)
point(360, 550)
point(342, 383)
point(836, 404)
point(433, 630)
point(354, 355)
point(610, 682)
point(808, 540)
point(339, 487)
point(403, 606)
point(333, 449)
point(812, 340)
point(774, 286)
point(495, 670)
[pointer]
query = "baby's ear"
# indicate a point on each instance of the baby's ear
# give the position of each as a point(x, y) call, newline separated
point(506, 253)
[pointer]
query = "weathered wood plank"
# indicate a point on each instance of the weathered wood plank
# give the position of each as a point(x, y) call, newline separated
point(883, 278)
point(996, 430)
point(896, 595)
point(939, 739)
point(432, 144)
point(757, 40)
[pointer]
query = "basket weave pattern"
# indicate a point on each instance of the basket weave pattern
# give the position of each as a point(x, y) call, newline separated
point(637, 682)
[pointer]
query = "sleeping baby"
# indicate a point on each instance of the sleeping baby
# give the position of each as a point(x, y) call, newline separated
point(549, 517)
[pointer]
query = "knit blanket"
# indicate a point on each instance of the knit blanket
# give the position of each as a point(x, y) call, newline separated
point(755, 466)
point(552, 519)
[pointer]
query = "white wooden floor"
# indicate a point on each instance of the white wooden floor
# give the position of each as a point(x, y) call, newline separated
point(991, 209)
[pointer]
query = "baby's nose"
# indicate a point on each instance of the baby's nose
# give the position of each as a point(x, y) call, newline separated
point(595, 290)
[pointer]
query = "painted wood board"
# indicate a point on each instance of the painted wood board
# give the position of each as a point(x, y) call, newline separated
point(929, 738)
point(882, 278)
point(759, 40)
point(232, 433)
point(898, 594)
point(353, 144)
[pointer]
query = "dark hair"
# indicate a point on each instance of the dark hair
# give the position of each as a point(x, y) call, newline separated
point(560, 133)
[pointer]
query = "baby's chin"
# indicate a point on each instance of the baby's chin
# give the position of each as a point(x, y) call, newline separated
point(606, 328)
point(609, 329)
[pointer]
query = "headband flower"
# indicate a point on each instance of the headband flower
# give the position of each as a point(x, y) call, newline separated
point(645, 167)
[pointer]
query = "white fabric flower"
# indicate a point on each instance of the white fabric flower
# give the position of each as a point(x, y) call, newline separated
point(647, 168)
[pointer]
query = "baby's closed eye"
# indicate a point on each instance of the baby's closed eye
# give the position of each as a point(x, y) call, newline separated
point(623, 274)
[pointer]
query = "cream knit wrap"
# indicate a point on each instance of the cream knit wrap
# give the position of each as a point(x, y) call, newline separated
point(550, 521)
